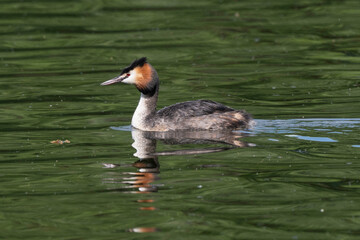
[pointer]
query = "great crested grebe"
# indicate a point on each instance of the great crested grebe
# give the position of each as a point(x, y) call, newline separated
point(191, 115)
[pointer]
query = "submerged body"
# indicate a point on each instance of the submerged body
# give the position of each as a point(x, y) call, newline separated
point(191, 115)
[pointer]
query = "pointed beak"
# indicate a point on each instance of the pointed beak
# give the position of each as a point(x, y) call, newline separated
point(114, 80)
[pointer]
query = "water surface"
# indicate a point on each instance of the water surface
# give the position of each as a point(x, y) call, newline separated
point(294, 66)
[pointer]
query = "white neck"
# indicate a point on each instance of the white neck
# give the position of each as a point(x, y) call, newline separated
point(145, 108)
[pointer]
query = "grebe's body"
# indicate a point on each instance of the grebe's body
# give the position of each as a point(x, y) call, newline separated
point(191, 115)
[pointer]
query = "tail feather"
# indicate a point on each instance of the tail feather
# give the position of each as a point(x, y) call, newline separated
point(237, 119)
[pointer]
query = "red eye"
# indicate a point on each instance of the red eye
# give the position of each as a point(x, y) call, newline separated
point(127, 74)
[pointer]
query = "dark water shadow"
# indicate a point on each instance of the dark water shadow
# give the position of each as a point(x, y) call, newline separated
point(148, 165)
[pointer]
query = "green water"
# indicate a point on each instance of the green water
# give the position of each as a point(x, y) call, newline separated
point(293, 65)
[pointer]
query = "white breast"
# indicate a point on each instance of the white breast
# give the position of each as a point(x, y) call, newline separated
point(140, 114)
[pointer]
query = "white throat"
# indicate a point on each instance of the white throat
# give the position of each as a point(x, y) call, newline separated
point(145, 107)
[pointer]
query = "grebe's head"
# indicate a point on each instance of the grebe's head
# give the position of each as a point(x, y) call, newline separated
point(141, 74)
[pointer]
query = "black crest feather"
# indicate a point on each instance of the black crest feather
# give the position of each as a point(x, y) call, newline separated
point(137, 63)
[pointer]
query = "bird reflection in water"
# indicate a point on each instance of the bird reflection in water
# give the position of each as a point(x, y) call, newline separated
point(148, 167)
